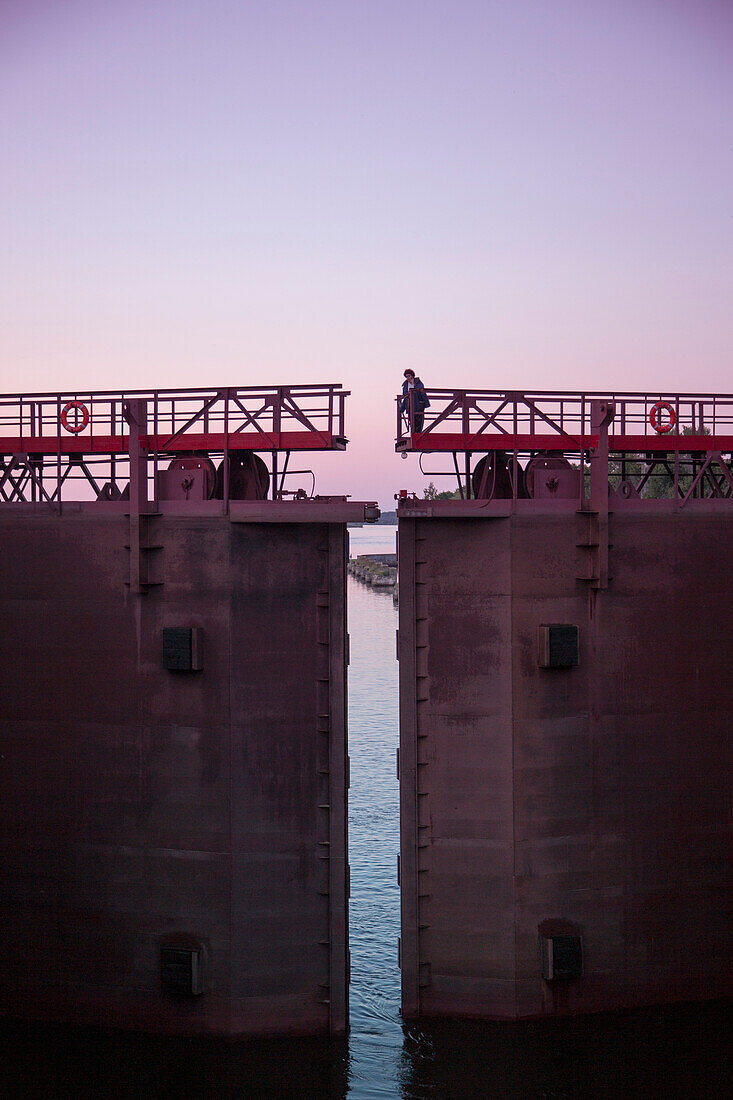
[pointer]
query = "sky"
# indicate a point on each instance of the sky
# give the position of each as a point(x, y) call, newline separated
point(525, 194)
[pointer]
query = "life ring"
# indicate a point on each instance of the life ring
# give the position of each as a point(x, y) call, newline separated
point(81, 417)
point(659, 425)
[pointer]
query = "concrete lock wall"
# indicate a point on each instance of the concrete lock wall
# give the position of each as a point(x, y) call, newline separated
point(143, 808)
point(590, 801)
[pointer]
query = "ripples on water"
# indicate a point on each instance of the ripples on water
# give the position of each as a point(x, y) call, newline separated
point(374, 837)
point(666, 1053)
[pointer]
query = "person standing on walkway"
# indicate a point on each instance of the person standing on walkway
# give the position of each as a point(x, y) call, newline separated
point(414, 407)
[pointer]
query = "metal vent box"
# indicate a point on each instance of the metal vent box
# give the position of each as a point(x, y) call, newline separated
point(562, 957)
point(182, 970)
point(558, 645)
point(183, 648)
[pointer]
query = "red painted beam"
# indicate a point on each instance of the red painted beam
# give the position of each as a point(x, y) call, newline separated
point(247, 441)
point(682, 443)
point(458, 441)
point(71, 445)
point(162, 443)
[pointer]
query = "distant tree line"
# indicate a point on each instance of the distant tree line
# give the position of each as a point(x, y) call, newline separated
point(431, 493)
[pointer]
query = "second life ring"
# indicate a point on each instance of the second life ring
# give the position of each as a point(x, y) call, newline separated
point(655, 417)
point(81, 417)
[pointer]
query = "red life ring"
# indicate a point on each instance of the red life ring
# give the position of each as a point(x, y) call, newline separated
point(659, 425)
point(81, 417)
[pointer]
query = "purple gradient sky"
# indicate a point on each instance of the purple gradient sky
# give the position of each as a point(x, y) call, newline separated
point(526, 193)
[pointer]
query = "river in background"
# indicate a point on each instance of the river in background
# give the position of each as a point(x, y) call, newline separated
point(666, 1053)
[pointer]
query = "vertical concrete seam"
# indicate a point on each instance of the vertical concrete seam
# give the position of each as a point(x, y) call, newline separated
point(338, 902)
point(422, 800)
point(512, 524)
point(408, 769)
point(323, 728)
point(231, 763)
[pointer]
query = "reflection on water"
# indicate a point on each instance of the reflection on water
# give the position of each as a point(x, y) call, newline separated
point(57, 1063)
point(655, 1054)
point(665, 1053)
point(646, 1054)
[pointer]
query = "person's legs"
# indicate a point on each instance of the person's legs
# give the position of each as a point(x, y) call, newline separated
point(418, 422)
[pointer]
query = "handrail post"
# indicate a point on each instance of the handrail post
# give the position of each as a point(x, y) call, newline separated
point(136, 414)
point(225, 468)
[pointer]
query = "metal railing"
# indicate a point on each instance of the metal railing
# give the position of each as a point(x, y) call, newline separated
point(486, 420)
point(682, 440)
point(86, 422)
point(50, 441)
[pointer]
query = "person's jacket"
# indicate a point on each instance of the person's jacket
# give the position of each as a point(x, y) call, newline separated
point(420, 398)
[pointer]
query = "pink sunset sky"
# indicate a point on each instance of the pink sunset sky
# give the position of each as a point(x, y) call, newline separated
point(532, 194)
